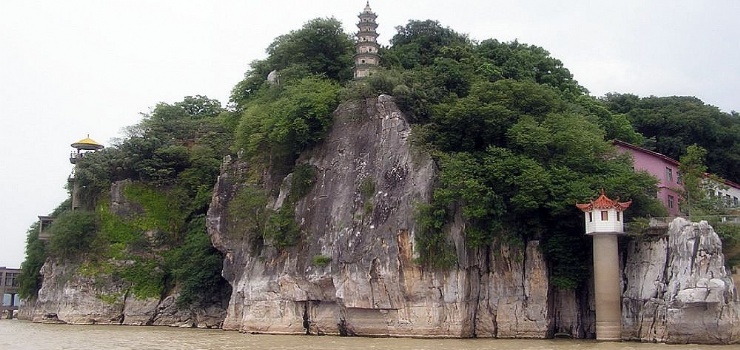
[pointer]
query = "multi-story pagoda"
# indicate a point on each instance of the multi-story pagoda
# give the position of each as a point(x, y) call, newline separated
point(366, 53)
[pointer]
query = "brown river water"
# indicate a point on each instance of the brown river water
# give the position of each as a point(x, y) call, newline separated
point(22, 335)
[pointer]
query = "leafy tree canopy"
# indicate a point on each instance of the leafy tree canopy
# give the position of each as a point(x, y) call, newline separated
point(321, 47)
point(419, 43)
point(283, 121)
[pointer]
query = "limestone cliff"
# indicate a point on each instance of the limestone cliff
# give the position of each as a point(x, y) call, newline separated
point(371, 285)
point(676, 288)
point(71, 296)
point(77, 298)
point(354, 272)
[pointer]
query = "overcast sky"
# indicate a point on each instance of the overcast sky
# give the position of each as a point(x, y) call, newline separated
point(72, 68)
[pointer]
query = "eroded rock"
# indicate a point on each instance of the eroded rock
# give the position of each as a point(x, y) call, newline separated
point(371, 285)
point(677, 290)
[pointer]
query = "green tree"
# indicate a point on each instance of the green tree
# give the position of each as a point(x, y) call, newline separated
point(320, 48)
point(698, 194)
point(279, 127)
point(196, 266)
point(420, 42)
point(518, 61)
point(30, 279)
point(72, 234)
point(321, 45)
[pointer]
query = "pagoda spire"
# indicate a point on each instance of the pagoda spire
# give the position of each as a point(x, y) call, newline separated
point(366, 48)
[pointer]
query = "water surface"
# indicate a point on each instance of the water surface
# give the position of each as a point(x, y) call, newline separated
point(22, 335)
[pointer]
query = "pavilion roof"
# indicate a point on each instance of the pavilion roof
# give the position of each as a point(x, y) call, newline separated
point(603, 202)
point(87, 144)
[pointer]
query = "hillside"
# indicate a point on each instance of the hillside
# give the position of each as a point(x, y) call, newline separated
point(490, 144)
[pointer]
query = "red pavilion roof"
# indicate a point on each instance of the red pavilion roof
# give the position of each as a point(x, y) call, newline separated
point(603, 202)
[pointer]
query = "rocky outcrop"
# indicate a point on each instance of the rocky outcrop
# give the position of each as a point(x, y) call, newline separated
point(75, 297)
point(354, 271)
point(78, 293)
point(676, 288)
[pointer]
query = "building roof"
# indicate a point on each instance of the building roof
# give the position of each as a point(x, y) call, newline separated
point(665, 158)
point(646, 151)
point(367, 12)
point(603, 202)
point(87, 144)
point(729, 183)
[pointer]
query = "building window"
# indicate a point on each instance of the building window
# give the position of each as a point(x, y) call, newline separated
point(735, 201)
point(10, 280)
point(669, 174)
point(670, 201)
point(679, 179)
point(590, 217)
point(604, 215)
point(619, 216)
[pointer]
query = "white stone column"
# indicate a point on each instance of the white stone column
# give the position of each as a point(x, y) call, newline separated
point(606, 286)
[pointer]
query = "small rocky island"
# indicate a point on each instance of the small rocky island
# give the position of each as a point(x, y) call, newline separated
point(425, 189)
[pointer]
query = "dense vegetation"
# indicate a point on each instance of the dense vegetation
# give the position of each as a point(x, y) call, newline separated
point(671, 124)
point(168, 164)
point(517, 141)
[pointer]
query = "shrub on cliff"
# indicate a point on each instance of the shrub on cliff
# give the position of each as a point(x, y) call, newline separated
point(30, 279)
point(72, 234)
point(282, 123)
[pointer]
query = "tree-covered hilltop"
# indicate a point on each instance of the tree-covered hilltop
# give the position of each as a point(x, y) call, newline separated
point(516, 139)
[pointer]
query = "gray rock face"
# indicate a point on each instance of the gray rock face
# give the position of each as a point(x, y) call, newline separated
point(371, 285)
point(76, 298)
point(676, 288)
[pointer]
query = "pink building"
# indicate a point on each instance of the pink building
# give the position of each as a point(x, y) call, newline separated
point(663, 168)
